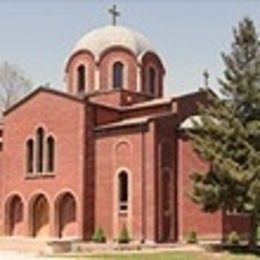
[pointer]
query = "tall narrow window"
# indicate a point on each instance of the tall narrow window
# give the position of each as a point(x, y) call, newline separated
point(81, 78)
point(40, 138)
point(50, 154)
point(118, 75)
point(123, 191)
point(151, 80)
point(29, 156)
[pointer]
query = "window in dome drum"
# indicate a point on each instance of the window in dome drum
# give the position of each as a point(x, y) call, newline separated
point(151, 80)
point(81, 78)
point(118, 68)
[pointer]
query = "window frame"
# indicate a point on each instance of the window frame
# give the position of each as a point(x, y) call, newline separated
point(30, 155)
point(50, 154)
point(39, 160)
point(118, 68)
point(81, 78)
point(151, 80)
point(123, 191)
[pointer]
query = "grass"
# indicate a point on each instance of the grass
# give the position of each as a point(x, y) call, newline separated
point(163, 255)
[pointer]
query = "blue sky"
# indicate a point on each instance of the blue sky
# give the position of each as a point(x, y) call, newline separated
point(37, 35)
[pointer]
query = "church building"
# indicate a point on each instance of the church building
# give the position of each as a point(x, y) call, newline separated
point(108, 152)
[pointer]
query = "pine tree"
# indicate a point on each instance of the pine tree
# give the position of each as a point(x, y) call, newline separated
point(227, 135)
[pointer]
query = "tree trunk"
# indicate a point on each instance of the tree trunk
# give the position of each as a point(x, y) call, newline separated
point(253, 231)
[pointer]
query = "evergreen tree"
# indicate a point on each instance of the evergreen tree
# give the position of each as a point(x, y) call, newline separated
point(227, 135)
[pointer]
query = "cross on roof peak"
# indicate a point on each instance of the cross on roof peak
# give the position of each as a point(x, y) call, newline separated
point(206, 78)
point(114, 13)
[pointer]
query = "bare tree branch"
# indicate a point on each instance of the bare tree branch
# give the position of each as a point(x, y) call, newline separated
point(13, 85)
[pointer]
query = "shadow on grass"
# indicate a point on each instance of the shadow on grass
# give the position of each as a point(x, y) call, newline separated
point(239, 250)
point(244, 250)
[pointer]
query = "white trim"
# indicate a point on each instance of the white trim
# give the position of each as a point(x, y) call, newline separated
point(96, 77)
point(138, 78)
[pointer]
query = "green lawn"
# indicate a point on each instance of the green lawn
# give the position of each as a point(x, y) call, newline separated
point(167, 255)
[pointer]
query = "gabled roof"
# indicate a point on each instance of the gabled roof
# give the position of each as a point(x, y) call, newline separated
point(42, 90)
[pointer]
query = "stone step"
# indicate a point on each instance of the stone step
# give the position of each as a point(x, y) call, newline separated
point(22, 244)
point(39, 246)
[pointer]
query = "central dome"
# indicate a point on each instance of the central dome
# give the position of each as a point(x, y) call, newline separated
point(115, 58)
point(97, 41)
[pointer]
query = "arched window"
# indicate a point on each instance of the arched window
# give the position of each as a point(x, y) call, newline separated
point(151, 80)
point(81, 78)
point(123, 191)
point(118, 68)
point(50, 154)
point(40, 139)
point(29, 155)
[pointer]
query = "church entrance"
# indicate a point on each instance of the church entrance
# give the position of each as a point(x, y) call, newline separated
point(41, 221)
point(15, 216)
point(67, 215)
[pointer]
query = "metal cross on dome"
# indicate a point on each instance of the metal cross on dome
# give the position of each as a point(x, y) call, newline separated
point(115, 14)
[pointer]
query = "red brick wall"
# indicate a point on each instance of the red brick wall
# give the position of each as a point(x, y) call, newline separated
point(1, 192)
point(118, 150)
point(130, 68)
point(63, 118)
point(105, 115)
point(81, 58)
point(108, 98)
point(89, 156)
point(188, 104)
point(150, 60)
point(119, 97)
point(238, 222)
point(166, 179)
point(88, 163)
point(146, 111)
point(191, 218)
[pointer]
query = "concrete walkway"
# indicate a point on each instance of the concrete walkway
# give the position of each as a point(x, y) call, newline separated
point(11, 255)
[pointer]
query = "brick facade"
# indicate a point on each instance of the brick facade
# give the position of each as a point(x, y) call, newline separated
point(98, 135)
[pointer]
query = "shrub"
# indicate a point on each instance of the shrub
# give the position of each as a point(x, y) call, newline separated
point(258, 233)
point(123, 236)
point(233, 238)
point(99, 236)
point(191, 237)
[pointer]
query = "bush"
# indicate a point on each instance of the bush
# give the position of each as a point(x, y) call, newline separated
point(258, 233)
point(191, 237)
point(233, 238)
point(99, 236)
point(123, 237)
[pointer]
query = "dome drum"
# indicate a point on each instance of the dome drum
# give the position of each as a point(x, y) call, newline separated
point(114, 57)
